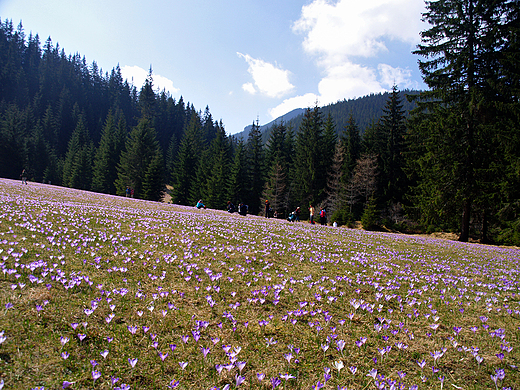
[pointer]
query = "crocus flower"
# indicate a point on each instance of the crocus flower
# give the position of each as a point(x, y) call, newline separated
point(239, 380)
point(132, 361)
point(275, 382)
point(96, 375)
point(372, 373)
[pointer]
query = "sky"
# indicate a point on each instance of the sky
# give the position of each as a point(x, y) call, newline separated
point(244, 59)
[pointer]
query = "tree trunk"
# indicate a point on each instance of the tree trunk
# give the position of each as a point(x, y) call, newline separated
point(464, 231)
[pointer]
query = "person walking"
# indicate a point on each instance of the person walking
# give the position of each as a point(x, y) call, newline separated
point(23, 175)
point(311, 216)
point(267, 207)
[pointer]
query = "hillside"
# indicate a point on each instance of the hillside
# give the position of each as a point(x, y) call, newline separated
point(366, 111)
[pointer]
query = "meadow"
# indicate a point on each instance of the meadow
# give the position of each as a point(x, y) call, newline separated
point(105, 292)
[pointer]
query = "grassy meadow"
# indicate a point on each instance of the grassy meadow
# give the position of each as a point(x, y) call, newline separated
point(105, 292)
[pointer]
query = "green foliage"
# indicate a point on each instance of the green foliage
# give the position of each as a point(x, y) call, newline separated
point(186, 162)
point(255, 160)
point(141, 150)
point(370, 217)
point(456, 125)
point(342, 217)
point(153, 180)
point(77, 167)
point(310, 169)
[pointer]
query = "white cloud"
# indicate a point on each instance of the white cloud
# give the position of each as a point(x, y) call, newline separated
point(268, 79)
point(304, 101)
point(249, 87)
point(390, 76)
point(348, 80)
point(341, 34)
point(352, 28)
point(137, 76)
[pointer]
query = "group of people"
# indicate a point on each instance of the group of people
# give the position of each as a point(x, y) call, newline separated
point(293, 217)
point(129, 192)
point(242, 208)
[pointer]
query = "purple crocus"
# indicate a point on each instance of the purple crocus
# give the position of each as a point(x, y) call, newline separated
point(132, 361)
point(239, 380)
point(372, 373)
point(96, 375)
point(275, 382)
point(163, 355)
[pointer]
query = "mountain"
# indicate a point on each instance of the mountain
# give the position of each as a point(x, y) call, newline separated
point(264, 128)
point(366, 111)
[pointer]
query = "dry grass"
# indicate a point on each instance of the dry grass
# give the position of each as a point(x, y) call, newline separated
point(91, 281)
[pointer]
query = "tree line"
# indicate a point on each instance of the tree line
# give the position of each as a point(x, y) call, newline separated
point(453, 165)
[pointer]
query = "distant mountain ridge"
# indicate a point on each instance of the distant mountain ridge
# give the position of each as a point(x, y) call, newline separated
point(286, 118)
point(366, 111)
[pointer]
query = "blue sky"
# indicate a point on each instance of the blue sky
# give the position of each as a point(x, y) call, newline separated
point(242, 58)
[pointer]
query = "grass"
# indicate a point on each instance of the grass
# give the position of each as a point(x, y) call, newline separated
point(102, 292)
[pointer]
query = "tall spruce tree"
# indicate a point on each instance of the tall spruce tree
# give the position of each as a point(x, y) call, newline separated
point(106, 159)
point(186, 163)
point(279, 157)
point(237, 179)
point(392, 125)
point(352, 145)
point(140, 151)
point(153, 180)
point(463, 51)
point(309, 179)
point(77, 167)
point(255, 168)
point(215, 173)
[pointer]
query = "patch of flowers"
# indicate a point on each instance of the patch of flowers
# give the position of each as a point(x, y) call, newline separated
point(99, 291)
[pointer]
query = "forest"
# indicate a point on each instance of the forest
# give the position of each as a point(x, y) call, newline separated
point(452, 165)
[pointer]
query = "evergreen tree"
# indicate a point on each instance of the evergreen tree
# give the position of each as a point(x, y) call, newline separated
point(218, 170)
point(171, 154)
point(147, 98)
point(392, 125)
point(38, 154)
point(140, 150)
point(255, 169)
point(328, 148)
point(105, 161)
point(309, 178)
point(186, 163)
point(335, 187)
point(279, 157)
point(77, 167)
point(153, 180)
point(463, 62)
point(237, 180)
point(352, 145)
point(13, 134)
